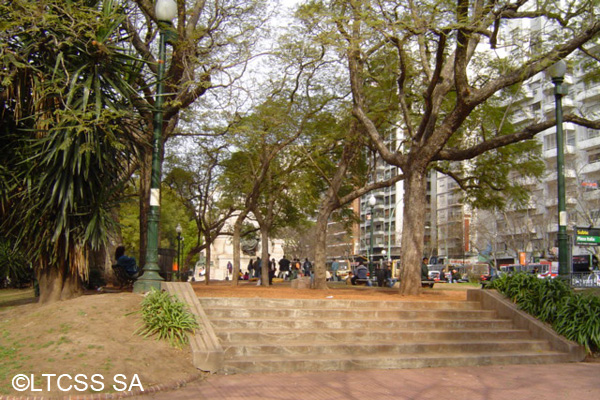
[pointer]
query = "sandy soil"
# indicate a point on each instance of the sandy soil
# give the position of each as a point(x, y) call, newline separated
point(444, 292)
point(93, 334)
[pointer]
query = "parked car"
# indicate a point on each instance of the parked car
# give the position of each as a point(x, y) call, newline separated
point(434, 275)
point(343, 270)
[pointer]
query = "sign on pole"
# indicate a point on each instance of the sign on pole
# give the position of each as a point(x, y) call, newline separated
point(587, 236)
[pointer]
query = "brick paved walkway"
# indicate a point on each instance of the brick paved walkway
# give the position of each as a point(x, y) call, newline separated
point(579, 381)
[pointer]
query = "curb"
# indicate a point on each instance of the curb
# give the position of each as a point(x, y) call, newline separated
point(163, 387)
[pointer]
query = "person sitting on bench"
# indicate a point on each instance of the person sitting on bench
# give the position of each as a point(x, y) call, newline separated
point(424, 269)
point(127, 263)
point(361, 274)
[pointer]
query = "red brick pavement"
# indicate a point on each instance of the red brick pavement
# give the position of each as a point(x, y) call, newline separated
point(578, 381)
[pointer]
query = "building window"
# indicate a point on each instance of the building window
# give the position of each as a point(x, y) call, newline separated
point(594, 157)
point(571, 138)
point(549, 142)
point(592, 133)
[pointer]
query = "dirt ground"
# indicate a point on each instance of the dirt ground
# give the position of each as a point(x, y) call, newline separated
point(443, 292)
point(95, 335)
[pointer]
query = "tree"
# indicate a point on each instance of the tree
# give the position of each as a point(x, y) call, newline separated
point(447, 63)
point(213, 42)
point(265, 134)
point(67, 134)
point(194, 179)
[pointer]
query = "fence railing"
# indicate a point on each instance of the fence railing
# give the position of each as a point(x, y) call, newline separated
point(585, 279)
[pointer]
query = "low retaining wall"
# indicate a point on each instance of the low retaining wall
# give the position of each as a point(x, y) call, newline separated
point(492, 300)
point(207, 353)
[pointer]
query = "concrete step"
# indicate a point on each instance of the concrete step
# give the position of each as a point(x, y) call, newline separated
point(368, 335)
point(286, 335)
point(348, 362)
point(232, 302)
point(253, 324)
point(313, 348)
point(362, 313)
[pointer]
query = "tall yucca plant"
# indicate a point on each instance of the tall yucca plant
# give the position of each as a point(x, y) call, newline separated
point(68, 104)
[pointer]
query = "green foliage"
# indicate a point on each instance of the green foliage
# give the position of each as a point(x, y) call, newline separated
point(167, 317)
point(13, 265)
point(572, 315)
point(578, 320)
point(65, 70)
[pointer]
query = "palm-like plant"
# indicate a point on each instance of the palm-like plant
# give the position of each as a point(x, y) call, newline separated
point(65, 104)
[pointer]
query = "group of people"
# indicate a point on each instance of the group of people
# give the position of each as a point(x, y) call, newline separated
point(449, 275)
point(383, 274)
point(288, 269)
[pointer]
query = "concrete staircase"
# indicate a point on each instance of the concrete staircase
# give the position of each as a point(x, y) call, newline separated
point(285, 335)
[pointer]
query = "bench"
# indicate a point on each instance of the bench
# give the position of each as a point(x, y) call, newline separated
point(427, 283)
point(123, 279)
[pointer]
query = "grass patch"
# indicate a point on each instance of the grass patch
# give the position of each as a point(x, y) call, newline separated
point(15, 297)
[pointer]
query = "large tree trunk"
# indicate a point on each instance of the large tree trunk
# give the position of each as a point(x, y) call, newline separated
point(320, 262)
point(237, 232)
point(264, 255)
point(413, 229)
point(58, 284)
point(145, 176)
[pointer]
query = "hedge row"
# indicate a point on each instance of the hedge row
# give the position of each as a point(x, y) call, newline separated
point(573, 315)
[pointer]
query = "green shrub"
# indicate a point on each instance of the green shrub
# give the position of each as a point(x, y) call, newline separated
point(167, 317)
point(574, 316)
point(578, 320)
point(14, 266)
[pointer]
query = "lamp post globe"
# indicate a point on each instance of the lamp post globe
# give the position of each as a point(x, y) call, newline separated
point(557, 73)
point(558, 69)
point(166, 11)
point(372, 200)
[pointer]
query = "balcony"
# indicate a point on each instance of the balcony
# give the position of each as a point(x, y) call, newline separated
point(550, 154)
point(528, 181)
point(589, 94)
point(569, 174)
point(590, 143)
point(553, 202)
point(522, 115)
point(549, 108)
point(591, 168)
point(591, 195)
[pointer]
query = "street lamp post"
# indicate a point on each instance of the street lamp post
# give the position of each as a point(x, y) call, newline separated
point(392, 214)
point(372, 201)
point(166, 11)
point(178, 230)
point(557, 72)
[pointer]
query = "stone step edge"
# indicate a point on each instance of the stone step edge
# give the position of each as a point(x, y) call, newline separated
point(276, 331)
point(448, 342)
point(385, 356)
point(332, 300)
point(211, 309)
point(216, 320)
point(388, 320)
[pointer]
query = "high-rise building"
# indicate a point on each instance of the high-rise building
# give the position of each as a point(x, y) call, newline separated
point(531, 232)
